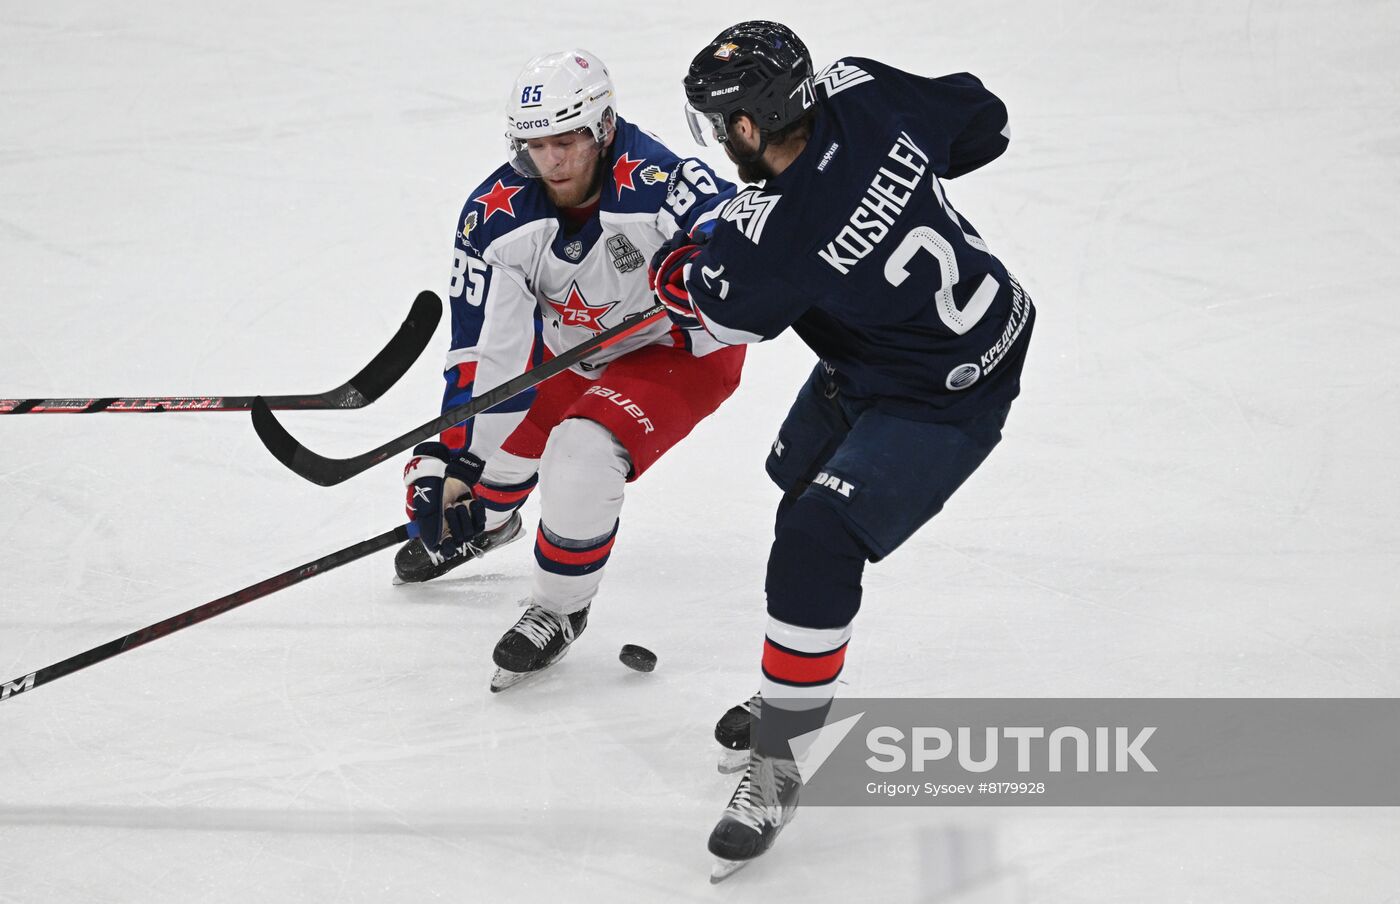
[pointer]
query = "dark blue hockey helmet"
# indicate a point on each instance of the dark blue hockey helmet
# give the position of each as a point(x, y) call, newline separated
point(759, 68)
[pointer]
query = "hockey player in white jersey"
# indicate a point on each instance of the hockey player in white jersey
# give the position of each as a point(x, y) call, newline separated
point(551, 250)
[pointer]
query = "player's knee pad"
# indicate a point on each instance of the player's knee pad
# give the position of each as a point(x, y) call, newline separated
point(815, 567)
point(785, 505)
point(508, 469)
point(505, 484)
point(582, 475)
point(813, 428)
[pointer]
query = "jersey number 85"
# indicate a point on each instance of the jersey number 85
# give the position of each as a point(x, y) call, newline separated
point(681, 198)
point(469, 275)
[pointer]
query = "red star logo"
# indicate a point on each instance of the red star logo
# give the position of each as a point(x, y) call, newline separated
point(576, 311)
point(622, 173)
point(498, 199)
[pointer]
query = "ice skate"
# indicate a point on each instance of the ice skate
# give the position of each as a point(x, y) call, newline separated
point(538, 640)
point(413, 565)
point(732, 732)
point(764, 802)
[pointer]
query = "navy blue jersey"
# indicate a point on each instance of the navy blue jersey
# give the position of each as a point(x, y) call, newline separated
point(857, 248)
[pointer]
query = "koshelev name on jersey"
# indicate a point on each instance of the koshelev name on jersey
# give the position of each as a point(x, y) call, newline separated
point(948, 344)
point(881, 204)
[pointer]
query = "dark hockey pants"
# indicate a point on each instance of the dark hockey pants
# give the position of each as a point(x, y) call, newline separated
point(857, 483)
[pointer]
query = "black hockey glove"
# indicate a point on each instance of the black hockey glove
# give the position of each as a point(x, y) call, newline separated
point(440, 502)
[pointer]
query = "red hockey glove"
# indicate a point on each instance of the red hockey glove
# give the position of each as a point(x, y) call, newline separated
point(666, 276)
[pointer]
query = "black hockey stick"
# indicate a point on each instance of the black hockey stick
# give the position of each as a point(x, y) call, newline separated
point(206, 611)
point(369, 384)
point(330, 471)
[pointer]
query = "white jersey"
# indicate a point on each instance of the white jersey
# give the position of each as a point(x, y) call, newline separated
point(522, 283)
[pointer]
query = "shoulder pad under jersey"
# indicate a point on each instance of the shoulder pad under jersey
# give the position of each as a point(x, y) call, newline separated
point(642, 171)
point(502, 203)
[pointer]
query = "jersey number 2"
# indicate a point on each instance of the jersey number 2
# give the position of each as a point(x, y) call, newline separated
point(959, 320)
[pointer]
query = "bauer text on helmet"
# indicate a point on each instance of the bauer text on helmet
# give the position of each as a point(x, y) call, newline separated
point(760, 69)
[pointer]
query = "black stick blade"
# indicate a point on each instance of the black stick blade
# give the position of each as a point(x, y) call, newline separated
point(328, 472)
point(274, 436)
point(373, 380)
point(398, 356)
point(287, 449)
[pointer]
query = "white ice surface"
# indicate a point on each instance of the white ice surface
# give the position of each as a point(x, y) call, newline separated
point(1196, 495)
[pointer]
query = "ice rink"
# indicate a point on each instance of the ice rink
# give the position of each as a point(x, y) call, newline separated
point(1196, 495)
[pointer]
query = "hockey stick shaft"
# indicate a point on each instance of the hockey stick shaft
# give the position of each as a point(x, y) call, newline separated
point(206, 611)
point(330, 471)
point(373, 380)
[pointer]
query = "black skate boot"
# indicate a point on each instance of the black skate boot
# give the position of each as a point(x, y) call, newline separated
point(732, 731)
point(538, 640)
point(764, 802)
point(413, 565)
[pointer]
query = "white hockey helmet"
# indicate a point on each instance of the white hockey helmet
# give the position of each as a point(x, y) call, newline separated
point(557, 93)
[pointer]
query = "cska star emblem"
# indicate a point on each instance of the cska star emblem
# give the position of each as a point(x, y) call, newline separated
point(622, 173)
point(575, 310)
point(497, 200)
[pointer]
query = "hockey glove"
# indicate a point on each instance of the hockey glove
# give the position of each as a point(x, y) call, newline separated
point(439, 482)
point(666, 275)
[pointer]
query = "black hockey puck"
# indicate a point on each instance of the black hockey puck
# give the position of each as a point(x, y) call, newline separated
point(638, 658)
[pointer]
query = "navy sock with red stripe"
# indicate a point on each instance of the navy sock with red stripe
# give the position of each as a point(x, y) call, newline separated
point(800, 668)
point(498, 497)
point(572, 558)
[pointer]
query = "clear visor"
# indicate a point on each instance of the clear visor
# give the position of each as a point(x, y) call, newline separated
point(702, 124)
point(520, 159)
point(518, 149)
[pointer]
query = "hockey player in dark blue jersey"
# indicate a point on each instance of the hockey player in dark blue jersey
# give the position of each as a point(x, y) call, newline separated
point(847, 237)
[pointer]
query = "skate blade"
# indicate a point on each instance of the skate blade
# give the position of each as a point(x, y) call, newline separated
point(723, 869)
point(504, 678)
point(731, 761)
